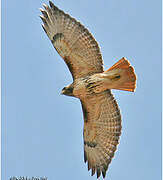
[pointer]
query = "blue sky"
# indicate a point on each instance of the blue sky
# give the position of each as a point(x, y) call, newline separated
point(42, 130)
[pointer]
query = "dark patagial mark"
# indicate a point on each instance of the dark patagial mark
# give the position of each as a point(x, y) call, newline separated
point(56, 37)
point(69, 64)
point(90, 144)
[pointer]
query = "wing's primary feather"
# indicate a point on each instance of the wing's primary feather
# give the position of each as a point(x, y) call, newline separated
point(102, 129)
point(72, 41)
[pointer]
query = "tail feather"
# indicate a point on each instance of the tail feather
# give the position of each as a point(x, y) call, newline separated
point(122, 76)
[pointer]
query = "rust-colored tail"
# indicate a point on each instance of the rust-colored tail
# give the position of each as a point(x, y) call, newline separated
point(122, 76)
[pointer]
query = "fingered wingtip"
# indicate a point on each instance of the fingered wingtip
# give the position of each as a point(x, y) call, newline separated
point(43, 28)
point(45, 6)
point(51, 4)
point(89, 167)
point(98, 174)
point(42, 17)
point(85, 156)
point(44, 13)
point(103, 174)
point(41, 9)
point(93, 171)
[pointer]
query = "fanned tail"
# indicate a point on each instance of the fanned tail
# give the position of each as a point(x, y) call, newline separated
point(121, 76)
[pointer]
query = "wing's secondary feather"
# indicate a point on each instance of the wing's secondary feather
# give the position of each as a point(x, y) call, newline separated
point(72, 41)
point(102, 129)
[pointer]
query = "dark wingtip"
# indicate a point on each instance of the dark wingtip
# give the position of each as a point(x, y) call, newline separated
point(89, 166)
point(44, 13)
point(51, 4)
point(45, 6)
point(43, 19)
point(93, 171)
point(98, 173)
point(85, 157)
point(44, 28)
point(103, 174)
point(41, 9)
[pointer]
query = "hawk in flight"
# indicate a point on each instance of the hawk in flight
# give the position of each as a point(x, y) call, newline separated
point(91, 84)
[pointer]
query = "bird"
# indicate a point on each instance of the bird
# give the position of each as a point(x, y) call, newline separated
point(91, 85)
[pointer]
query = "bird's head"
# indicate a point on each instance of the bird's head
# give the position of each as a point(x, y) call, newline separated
point(68, 90)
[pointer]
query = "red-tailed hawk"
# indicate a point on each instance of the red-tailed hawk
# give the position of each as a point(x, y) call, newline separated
point(91, 84)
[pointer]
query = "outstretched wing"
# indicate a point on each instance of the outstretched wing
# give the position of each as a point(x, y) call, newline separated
point(72, 41)
point(102, 129)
